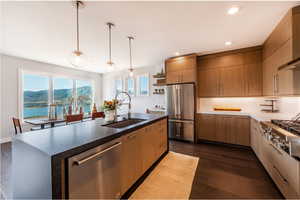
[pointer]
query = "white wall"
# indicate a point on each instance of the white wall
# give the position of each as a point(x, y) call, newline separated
point(288, 106)
point(10, 69)
point(139, 103)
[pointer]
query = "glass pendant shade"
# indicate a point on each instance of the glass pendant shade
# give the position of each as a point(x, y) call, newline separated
point(78, 59)
point(131, 72)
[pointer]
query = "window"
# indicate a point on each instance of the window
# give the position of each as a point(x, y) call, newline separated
point(119, 85)
point(62, 93)
point(143, 81)
point(35, 96)
point(84, 95)
point(41, 90)
point(130, 86)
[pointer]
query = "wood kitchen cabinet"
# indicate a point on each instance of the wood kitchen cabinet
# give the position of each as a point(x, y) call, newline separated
point(206, 127)
point(283, 169)
point(154, 143)
point(209, 82)
point(281, 47)
point(224, 128)
point(140, 149)
point(255, 137)
point(131, 168)
point(253, 73)
point(232, 81)
point(181, 69)
point(235, 73)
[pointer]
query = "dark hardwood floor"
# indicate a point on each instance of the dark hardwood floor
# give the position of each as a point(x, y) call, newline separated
point(223, 172)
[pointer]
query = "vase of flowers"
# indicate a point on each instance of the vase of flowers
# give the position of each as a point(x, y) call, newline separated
point(109, 108)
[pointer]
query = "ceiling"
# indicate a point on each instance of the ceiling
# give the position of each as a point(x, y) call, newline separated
point(45, 31)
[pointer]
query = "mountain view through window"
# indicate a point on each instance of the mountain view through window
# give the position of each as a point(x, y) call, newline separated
point(36, 95)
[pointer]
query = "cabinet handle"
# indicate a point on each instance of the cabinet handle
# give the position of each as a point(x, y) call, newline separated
point(277, 83)
point(275, 149)
point(79, 162)
point(282, 177)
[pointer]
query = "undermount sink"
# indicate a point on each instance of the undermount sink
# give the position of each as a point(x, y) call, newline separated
point(124, 123)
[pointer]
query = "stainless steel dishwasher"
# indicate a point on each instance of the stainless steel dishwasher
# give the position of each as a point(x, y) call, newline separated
point(95, 174)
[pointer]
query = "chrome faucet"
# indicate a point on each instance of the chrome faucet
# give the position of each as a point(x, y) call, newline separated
point(129, 103)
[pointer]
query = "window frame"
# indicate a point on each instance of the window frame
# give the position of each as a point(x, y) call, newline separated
point(139, 86)
point(51, 77)
point(134, 85)
point(122, 86)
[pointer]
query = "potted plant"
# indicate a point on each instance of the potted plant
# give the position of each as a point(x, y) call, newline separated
point(109, 108)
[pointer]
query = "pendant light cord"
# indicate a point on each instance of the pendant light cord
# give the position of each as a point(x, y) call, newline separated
point(110, 25)
point(77, 23)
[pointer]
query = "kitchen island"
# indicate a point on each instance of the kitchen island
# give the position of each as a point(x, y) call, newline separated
point(92, 159)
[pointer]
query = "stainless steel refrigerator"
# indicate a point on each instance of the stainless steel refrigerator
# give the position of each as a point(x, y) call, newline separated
point(181, 111)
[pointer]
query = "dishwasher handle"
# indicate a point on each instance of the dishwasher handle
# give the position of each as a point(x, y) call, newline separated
point(82, 161)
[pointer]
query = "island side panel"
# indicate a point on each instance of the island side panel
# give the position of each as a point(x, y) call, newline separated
point(31, 172)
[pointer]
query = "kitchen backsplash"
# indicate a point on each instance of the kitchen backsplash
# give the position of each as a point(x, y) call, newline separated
point(286, 105)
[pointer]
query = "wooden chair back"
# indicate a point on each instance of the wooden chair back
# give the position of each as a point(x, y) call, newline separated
point(74, 118)
point(97, 115)
point(17, 125)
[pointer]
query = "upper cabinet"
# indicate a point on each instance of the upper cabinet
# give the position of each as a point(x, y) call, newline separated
point(281, 48)
point(230, 74)
point(181, 69)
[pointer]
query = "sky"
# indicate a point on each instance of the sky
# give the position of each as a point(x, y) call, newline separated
point(36, 83)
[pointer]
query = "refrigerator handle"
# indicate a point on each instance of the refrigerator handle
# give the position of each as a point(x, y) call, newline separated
point(179, 101)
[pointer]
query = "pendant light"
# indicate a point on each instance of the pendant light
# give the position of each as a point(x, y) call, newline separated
point(110, 25)
point(130, 38)
point(77, 58)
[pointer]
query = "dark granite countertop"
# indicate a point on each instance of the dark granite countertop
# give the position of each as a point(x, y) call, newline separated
point(72, 139)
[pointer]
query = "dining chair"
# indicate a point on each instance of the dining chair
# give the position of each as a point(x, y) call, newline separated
point(74, 118)
point(17, 125)
point(97, 115)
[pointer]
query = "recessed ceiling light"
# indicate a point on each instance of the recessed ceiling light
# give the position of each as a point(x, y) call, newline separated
point(177, 53)
point(228, 43)
point(233, 10)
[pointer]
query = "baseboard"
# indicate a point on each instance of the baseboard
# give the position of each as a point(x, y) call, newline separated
point(4, 140)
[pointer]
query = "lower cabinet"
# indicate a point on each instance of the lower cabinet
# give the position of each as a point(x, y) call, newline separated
point(255, 135)
point(230, 129)
point(283, 169)
point(140, 149)
point(131, 168)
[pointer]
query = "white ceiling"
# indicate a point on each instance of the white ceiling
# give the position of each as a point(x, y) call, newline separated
point(45, 31)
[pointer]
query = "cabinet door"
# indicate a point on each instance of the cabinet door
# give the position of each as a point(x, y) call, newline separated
point(254, 137)
point(206, 127)
point(253, 75)
point(222, 128)
point(241, 130)
point(188, 75)
point(268, 77)
point(208, 82)
point(173, 77)
point(131, 160)
point(232, 81)
point(180, 69)
point(147, 148)
point(163, 137)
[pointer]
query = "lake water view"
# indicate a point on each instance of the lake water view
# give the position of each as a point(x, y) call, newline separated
point(30, 112)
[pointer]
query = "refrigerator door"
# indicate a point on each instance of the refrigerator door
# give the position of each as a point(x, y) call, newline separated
point(181, 129)
point(187, 101)
point(181, 101)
